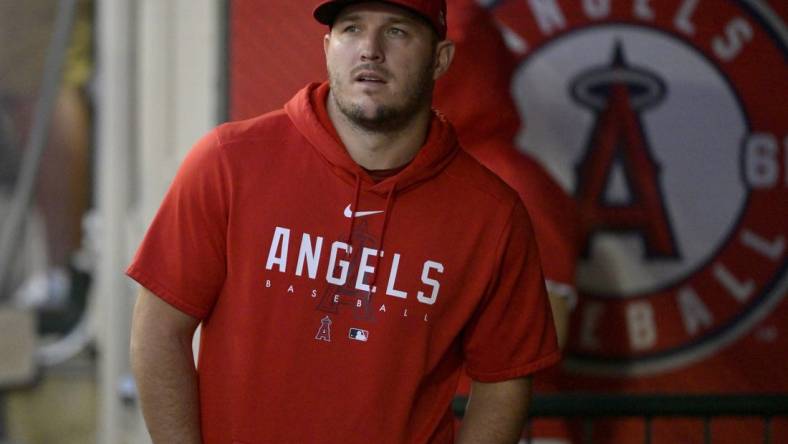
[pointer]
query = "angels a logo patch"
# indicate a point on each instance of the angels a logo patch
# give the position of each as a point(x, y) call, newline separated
point(667, 121)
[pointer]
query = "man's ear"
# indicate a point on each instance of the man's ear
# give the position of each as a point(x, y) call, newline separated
point(326, 39)
point(444, 54)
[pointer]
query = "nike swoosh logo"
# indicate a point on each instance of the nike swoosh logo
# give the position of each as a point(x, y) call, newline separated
point(350, 214)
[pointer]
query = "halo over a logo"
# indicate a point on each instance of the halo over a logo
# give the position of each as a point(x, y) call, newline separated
point(662, 123)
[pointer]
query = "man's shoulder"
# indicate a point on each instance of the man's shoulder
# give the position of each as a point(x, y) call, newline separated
point(477, 178)
point(271, 125)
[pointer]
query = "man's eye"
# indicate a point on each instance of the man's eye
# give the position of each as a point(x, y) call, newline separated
point(351, 28)
point(397, 32)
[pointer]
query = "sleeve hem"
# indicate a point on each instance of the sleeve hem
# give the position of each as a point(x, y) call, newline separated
point(163, 293)
point(563, 290)
point(516, 372)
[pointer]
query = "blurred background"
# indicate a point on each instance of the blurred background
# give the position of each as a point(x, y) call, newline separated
point(663, 123)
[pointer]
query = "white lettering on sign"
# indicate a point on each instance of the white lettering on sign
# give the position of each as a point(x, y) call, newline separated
point(772, 249)
point(548, 15)
point(740, 290)
point(640, 325)
point(762, 160)
point(596, 9)
point(642, 10)
point(693, 311)
point(683, 19)
point(737, 33)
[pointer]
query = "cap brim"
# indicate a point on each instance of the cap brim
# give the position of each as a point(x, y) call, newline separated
point(328, 11)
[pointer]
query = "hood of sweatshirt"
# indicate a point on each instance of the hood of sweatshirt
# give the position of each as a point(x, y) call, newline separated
point(436, 153)
point(439, 149)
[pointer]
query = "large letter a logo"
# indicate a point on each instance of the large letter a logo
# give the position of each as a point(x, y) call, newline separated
point(617, 93)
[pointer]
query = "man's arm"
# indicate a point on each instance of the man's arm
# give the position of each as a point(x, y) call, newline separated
point(560, 308)
point(163, 365)
point(496, 412)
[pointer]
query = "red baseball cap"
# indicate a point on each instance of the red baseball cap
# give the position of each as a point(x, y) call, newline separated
point(434, 11)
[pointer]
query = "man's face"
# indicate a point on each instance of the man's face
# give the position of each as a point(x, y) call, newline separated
point(381, 65)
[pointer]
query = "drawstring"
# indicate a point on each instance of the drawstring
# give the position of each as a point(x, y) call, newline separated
point(386, 216)
point(389, 202)
point(353, 209)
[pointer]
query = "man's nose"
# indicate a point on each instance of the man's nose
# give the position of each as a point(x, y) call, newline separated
point(372, 48)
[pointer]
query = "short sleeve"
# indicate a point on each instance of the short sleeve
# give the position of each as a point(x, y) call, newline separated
point(557, 228)
point(182, 258)
point(512, 334)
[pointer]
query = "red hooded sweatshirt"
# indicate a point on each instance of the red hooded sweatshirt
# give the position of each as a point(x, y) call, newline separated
point(336, 309)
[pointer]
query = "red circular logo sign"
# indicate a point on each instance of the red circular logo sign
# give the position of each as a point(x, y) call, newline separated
point(666, 121)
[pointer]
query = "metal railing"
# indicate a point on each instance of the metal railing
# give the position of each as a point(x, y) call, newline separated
point(589, 407)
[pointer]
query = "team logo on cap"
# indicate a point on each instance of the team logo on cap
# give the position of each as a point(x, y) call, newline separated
point(662, 125)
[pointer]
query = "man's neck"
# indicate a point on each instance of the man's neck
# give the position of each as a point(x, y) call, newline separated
point(380, 150)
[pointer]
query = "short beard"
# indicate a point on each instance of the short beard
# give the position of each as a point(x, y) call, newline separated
point(388, 119)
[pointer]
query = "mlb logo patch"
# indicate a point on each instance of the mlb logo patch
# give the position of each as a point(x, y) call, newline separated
point(358, 334)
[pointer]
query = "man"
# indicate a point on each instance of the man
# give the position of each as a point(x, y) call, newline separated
point(345, 258)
